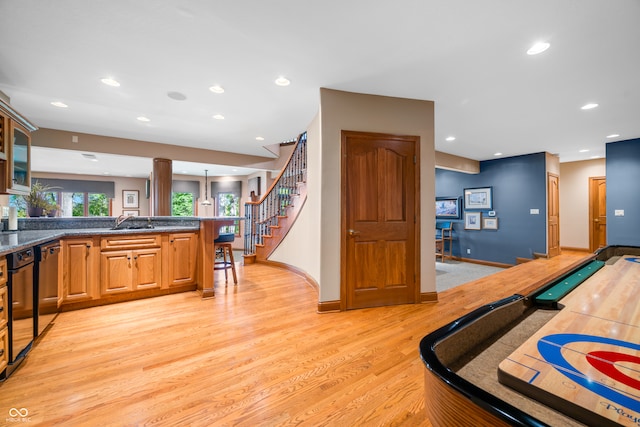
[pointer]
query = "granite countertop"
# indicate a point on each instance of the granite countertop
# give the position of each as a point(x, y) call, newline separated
point(12, 241)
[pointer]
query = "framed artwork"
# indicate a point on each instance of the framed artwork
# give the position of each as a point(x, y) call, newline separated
point(478, 198)
point(490, 223)
point(472, 220)
point(448, 207)
point(130, 199)
point(131, 212)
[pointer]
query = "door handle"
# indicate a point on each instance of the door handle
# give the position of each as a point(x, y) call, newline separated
point(352, 232)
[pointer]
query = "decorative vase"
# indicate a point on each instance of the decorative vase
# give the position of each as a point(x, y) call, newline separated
point(34, 212)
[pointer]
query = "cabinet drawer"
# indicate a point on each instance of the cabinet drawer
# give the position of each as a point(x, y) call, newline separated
point(130, 242)
point(3, 271)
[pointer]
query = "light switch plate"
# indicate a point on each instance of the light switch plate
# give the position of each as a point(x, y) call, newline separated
point(619, 212)
point(534, 211)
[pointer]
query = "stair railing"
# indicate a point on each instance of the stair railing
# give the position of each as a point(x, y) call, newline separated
point(261, 215)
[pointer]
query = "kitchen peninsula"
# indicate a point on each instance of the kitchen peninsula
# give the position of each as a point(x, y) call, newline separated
point(96, 258)
point(61, 264)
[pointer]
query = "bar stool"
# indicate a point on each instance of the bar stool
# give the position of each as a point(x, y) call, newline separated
point(223, 244)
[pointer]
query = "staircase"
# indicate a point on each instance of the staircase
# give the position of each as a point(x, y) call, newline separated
point(268, 220)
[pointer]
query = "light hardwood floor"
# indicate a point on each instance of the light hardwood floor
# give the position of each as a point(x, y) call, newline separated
point(257, 354)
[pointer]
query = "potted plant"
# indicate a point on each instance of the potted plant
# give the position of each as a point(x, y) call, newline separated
point(36, 199)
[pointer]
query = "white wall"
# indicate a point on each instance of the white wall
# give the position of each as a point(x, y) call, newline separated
point(574, 201)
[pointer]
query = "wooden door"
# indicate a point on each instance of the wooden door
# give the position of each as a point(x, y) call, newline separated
point(597, 213)
point(379, 211)
point(553, 215)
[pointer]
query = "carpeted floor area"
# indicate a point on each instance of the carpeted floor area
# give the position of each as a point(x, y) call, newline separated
point(453, 273)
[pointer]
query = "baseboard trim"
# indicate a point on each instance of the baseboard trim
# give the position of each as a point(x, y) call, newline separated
point(310, 280)
point(568, 248)
point(328, 306)
point(428, 297)
point(481, 262)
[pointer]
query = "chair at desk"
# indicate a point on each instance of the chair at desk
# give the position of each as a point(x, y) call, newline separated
point(223, 244)
point(443, 240)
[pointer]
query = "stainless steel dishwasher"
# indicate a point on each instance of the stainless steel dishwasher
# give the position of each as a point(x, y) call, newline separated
point(47, 263)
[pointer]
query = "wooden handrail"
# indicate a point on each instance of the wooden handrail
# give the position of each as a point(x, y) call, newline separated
point(263, 214)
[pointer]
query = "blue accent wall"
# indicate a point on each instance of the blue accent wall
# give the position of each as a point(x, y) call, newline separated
point(623, 179)
point(519, 184)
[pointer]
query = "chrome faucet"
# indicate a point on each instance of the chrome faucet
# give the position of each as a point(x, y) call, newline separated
point(121, 219)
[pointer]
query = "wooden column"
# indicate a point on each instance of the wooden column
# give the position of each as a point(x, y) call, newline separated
point(162, 178)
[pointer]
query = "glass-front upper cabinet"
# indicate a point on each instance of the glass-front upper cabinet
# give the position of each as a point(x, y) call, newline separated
point(19, 159)
point(15, 151)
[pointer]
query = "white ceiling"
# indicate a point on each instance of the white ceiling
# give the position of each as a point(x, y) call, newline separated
point(468, 56)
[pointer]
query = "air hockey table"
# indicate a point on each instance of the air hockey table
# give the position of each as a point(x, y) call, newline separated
point(567, 355)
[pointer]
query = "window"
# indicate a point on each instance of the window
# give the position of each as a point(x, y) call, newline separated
point(229, 205)
point(69, 204)
point(182, 204)
point(83, 204)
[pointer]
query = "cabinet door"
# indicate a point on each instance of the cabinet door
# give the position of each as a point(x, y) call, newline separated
point(4, 135)
point(4, 306)
point(182, 258)
point(116, 272)
point(19, 160)
point(78, 269)
point(4, 348)
point(147, 270)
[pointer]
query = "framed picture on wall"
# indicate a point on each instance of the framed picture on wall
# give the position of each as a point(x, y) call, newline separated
point(478, 198)
point(472, 220)
point(447, 207)
point(130, 199)
point(490, 223)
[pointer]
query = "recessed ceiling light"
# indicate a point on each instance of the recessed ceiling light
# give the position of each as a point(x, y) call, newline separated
point(110, 82)
point(177, 96)
point(595, 157)
point(283, 81)
point(144, 119)
point(218, 117)
point(589, 106)
point(216, 89)
point(59, 104)
point(259, 138)
point(234, 170)
point(613, 135)
point(497, 154)
point(583, 151)
point(450, 138)
point(538, 48)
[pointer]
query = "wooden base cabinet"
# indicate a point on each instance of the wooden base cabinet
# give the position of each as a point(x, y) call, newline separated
point(130, 263)
point(126, 271)
point(80, 269)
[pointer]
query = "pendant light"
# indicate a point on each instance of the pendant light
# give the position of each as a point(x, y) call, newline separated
point(206, 201)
